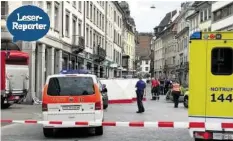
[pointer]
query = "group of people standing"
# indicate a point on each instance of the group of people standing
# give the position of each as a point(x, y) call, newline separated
point(174, 86)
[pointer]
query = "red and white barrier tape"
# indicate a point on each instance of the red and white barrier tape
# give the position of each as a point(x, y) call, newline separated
point(159, 124)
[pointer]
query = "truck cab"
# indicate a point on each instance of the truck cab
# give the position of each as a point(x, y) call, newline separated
point(211, 84)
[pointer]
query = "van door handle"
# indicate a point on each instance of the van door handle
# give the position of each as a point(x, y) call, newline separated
point(72, 117)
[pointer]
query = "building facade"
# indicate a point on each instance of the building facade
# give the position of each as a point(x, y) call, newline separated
point(128, 41)
point(59, 48)
point(114, 27)
point(157, 46)
point(222, 16)
point(193, 16)
point(143, 51)
point(81, 34)
point(193, 19)
point(129, 51)
point(169, 49)
point(145, 65)
point(94, 28)
point(117, 38)
point(163, 44)
point(182, 37)
point(205, 15)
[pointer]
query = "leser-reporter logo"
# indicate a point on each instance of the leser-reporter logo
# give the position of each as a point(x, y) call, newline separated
point(28, 23)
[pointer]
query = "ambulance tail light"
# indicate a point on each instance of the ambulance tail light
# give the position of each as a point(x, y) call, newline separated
point(203, 135)
point(44, 107)
point(98, 106)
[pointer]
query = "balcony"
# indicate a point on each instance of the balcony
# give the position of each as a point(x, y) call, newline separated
point(78, 44)
point(99, 54)
point(182, 31)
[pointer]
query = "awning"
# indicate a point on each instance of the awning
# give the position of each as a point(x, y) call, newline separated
point(113, 65)
point(106, 63)
point(120, 68)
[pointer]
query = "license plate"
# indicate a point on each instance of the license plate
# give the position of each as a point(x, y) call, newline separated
point(222, 136)
point(75, 107)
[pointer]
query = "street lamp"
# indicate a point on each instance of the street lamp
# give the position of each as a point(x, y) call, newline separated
point(152, 7)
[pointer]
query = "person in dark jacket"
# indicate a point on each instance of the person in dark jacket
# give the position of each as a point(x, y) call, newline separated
point(168, 83)
point(140, 85)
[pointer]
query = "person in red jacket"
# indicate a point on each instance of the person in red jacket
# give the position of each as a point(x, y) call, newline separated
point(155, 89)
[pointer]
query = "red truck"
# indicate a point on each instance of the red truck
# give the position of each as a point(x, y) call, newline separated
point(14, 77)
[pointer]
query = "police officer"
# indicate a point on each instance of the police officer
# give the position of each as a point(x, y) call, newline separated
point(140, 85)
point(176, 91)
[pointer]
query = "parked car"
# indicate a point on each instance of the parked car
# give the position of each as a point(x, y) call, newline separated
point(186, 96)
point(105, 96)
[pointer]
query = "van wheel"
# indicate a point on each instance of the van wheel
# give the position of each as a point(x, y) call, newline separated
point(48, 132)
point(204, 140)
point(186, 102)
point(5, 106)
point(199, 140)
point(105, 106)
point(99, 130)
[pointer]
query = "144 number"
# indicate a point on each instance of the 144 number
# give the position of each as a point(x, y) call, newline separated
point(221, 98)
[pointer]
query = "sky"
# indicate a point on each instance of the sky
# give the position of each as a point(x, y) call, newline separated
point(146, 18)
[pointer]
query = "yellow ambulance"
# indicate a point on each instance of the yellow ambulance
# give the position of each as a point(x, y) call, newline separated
point(211, 84)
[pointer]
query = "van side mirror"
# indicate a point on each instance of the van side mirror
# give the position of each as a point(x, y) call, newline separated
point(104, 88)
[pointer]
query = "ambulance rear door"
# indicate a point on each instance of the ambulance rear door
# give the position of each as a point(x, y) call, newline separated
point(219, 98)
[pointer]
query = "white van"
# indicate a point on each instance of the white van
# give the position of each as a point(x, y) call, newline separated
point(74, 98)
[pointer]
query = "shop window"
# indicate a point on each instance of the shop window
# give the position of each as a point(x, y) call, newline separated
point(222, 61)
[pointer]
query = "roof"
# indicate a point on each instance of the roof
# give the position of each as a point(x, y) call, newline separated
point(192, 15)
point(145, 57)
point(196, 3)
point(118, 7)
point(167, 22)
point(167, 18)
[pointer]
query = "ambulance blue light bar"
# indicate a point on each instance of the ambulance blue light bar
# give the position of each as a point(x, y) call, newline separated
point(196, 35)
point(81, 71)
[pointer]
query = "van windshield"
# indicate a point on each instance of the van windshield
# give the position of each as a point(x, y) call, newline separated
point(70, 86)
